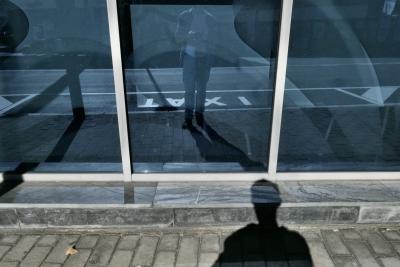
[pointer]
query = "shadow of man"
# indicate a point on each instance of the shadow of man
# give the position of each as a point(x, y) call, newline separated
point(265, 243)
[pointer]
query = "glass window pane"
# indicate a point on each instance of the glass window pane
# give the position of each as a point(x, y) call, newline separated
point(199, 80)
point(57, 101)
point(341, 107)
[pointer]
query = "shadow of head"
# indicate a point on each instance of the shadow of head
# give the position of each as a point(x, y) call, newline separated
point(266, 199)
point(265, 243)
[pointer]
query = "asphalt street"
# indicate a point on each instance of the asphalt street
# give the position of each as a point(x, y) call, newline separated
point(346, 112)
point(308, 86)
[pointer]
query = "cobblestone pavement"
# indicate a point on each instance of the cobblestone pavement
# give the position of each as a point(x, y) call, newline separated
point(372, 246)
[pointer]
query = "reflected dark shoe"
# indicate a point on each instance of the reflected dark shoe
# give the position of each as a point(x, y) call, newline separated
point(202, 125)
point(187, 125)
point(200, 119)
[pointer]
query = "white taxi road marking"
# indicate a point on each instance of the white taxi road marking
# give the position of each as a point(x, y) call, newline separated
point(216, 101)
point(16, 104)
point(4, 103)
point(245, 101)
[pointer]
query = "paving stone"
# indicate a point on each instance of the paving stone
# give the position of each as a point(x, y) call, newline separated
point(182, 193)
point(165, 259)
point(378, 244)
point(9, 264)
point(145, 252)
point(299, 263)
point(121, 258)
point(45, 217)
point(57, 255)
point(188, 249)
point(185, 217)
point(130, 217)
point(310, 235)
point(78, 259)
point(334, 243)
point(391, 235)
point(382, 214)
point(9, 218)
point(294, 243)
point(390, 261)
point(169, 242)
point(396, 246)
point(327, 248)
point(87, 241)
point(275, 250)
point(35, 257)
point(128, 242)
point(19, 251)
point(3, 250)
point(47, 241)
point(317, 214)
point(257, 262)
point(345, 261)
point(231, 255)
point(9, 239)
point(103, 250)
point(277, 263)
point(319, 254)
point(363, 254)
point(47, 264)
point(207, 259)
point(210, 243)
point(252, 250)
point(350, 234)
point(213, 216)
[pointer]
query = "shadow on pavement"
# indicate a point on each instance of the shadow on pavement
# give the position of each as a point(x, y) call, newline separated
point(265, 243)
point(214, 148)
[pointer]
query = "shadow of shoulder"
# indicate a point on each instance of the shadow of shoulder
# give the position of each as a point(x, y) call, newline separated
point(256, 245)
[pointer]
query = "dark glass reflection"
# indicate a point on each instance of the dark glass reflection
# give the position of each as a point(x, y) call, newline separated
point(57, 102)
point(199, 81)
point(342, 89)
point(196, 34)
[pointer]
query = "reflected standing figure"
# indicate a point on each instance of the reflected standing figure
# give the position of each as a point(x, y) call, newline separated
point(388, 7)
point(389, 14)
point(196, 34)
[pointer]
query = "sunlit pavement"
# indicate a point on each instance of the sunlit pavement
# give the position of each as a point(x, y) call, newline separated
point(328, 246)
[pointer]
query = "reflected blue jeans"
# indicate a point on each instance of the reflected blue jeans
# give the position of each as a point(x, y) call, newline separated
point(196, 73)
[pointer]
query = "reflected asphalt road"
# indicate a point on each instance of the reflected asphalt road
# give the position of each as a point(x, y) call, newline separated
point(336, 136)
point(309, 86)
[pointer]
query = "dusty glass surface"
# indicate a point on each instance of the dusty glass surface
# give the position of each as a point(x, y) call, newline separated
point(341, 107)
point(57, 100)
point(199, 81)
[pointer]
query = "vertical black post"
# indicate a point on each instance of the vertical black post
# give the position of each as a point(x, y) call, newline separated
point(74, 86)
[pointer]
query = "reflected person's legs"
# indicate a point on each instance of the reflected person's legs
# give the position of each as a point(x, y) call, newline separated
point(202, 77)
point(189, 74)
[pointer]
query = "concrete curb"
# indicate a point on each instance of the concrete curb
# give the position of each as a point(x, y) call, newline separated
point(26, 216)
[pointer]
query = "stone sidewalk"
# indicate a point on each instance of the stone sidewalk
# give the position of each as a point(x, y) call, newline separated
point(328, 246)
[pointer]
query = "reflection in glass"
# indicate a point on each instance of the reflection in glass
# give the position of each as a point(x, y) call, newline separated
point(199, 78)
point(196, 33)
point(342, 88)
point(57, 102)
